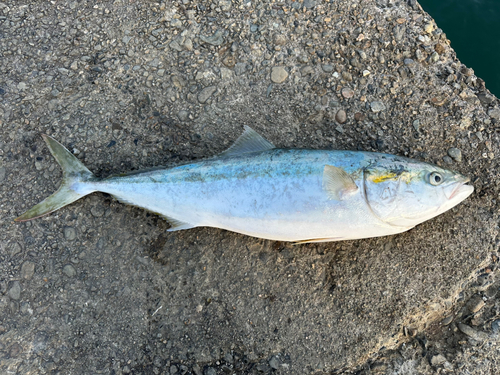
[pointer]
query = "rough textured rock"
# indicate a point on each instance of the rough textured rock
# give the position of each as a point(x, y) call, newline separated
point(102, 287)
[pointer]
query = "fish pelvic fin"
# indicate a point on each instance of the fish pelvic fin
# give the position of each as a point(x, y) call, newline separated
point(71, 189)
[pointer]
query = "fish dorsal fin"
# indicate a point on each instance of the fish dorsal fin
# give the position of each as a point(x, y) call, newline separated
point(249, 141)
point(337, 183)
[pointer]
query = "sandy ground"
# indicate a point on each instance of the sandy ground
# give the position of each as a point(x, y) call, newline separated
point(101, 287)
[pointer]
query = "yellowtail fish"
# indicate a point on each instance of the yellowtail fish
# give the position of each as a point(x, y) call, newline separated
point(296, 195)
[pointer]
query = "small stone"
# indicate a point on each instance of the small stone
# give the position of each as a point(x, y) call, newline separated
point(2, 174)
point(161, 72)
point(97, 210)
point(494, 113)
point(206, 93)
point(358, 116)
point(447, 159)
point(434, 57)
point(216, 39)
point(377, 106)
point(439, 48)
point(15, 248)
point(15, 290)
point(278, 74)
point(346, 76)
point(447, 320)
point(495, 326)
point(188, 44)
point(416, 125)
point(429, 28)
point(228, 357)
point(183, 115)
point(177, 23)
point(173, 369)
point(279, 39)
point(438, 360)
point(274, 362)
point(327, 68)
point(55, 93)
point(197, 370)
point(472, 333)
point(225, 73)
point(210, 371)
point(419, 55)
point(399, 32)
point(15, 350)
point(347, 92)
point(22, 86)
point(309, 4)
point(27, 270)
point(306, 70)
point(229, 61)
point(74, 65)
point(409, 62)
point(341, 116)
point(69, 270)
point(486, 98)
point(240, 68)
point(455, 153)
point(69, 233)
point(475, 304)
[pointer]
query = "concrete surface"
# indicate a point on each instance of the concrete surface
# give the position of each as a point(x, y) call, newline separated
point(100, 287)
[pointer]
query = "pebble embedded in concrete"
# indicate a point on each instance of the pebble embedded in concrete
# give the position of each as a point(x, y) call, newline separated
point(377, 106)
point(15, 290)
point(69, 233)
point(455, 154)
point(206, 93)
point(341, 116)
point(69, 270)
point(347, 92)
point(27, 270)
point(278, 74)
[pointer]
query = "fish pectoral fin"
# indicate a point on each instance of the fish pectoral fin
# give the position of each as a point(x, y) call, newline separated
point(249, 141)
point(316, 240)
point(177, 224)
point(337, 183)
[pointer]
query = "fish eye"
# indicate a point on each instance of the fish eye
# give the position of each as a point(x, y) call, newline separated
point(435, 178)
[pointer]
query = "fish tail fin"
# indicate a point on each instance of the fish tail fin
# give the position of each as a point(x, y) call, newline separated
point(72, 188)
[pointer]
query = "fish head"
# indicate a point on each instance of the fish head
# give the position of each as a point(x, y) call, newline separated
point(404, 193)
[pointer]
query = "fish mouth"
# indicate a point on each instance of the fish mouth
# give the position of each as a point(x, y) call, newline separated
point(459, 190)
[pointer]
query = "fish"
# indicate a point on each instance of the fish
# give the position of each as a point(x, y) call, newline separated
point(282, 194)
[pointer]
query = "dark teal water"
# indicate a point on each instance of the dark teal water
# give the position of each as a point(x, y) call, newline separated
point(473, 26)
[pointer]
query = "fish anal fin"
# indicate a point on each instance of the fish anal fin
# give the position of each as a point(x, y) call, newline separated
point(249, 141)
point(317, 240)
point(176, 225)
point(337, 183)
